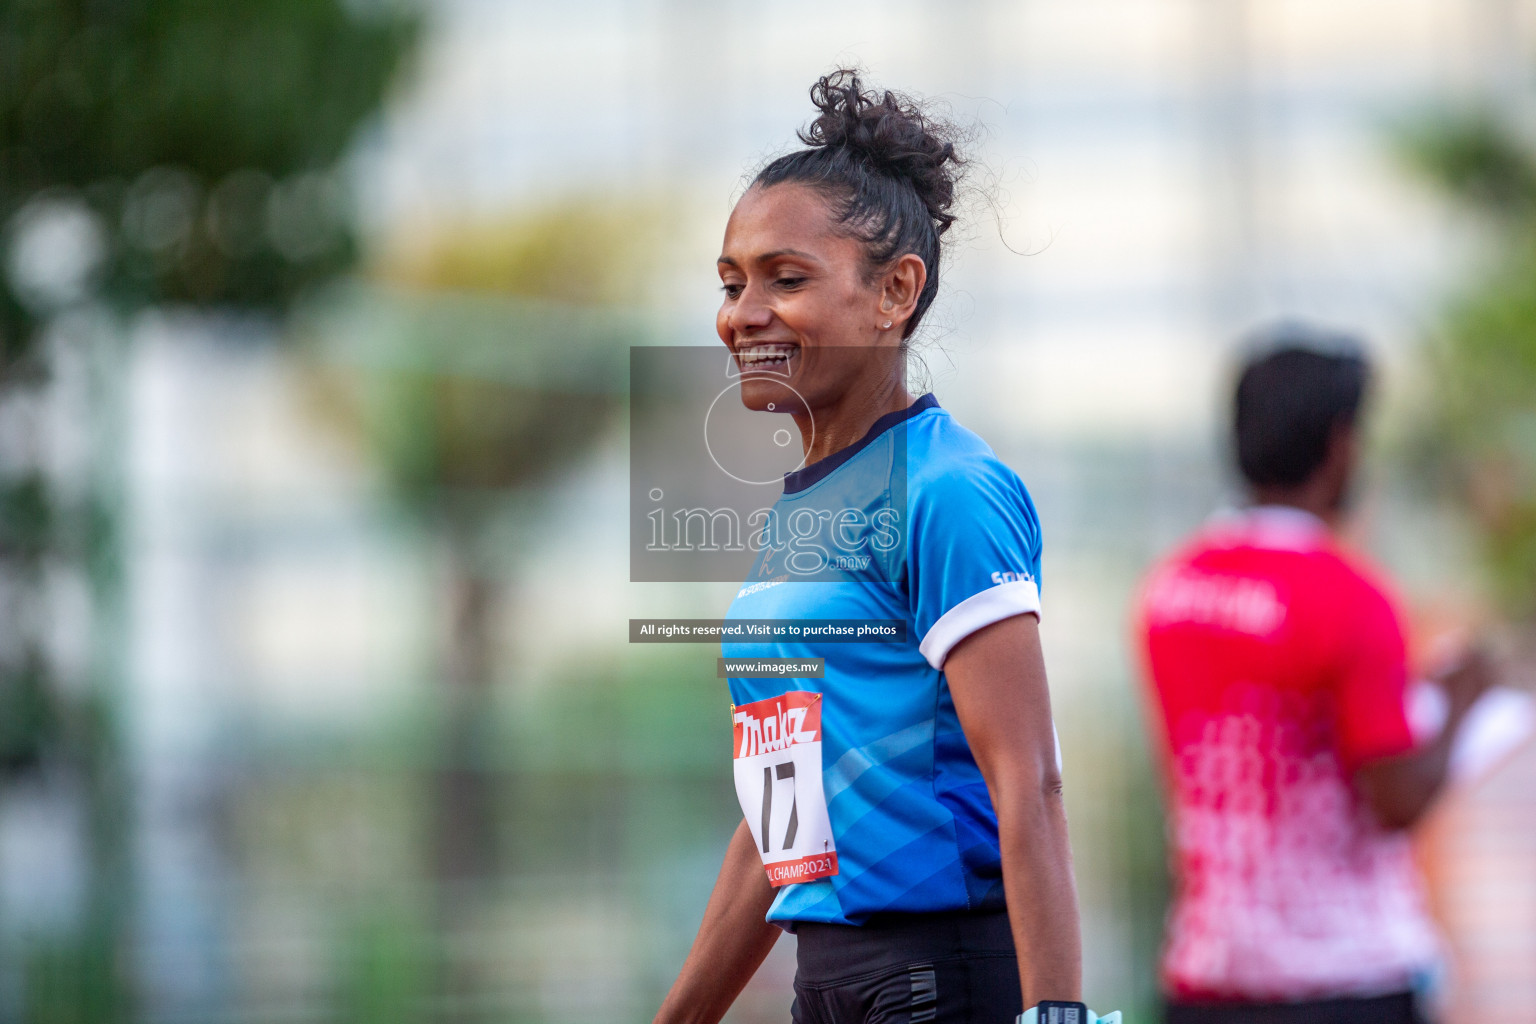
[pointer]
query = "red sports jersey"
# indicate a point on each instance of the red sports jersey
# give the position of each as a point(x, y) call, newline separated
point(1279, 668)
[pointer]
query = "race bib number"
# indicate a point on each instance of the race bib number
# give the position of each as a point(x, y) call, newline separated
point(778, 781)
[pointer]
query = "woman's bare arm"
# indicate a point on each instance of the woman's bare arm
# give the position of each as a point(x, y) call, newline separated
point(997, 678)
point(732, 941)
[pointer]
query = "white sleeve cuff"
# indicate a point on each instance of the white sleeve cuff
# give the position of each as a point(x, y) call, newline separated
point(1004, 601)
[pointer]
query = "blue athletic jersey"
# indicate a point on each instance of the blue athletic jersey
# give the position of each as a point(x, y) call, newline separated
point(920, 522)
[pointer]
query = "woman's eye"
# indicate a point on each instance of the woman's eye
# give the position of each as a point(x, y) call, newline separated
point(790, 282)
point(731, 290)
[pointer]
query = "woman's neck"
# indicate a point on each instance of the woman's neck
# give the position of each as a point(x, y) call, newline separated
point(832, 428)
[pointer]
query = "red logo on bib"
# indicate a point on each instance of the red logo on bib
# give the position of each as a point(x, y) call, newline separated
point(778, 781)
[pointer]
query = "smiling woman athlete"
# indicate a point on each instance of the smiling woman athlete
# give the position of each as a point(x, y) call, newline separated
point(907, 805)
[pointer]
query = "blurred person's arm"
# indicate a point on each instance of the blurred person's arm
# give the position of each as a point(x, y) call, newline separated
point(1400, 789)
point(997, 678)
point(733, 939)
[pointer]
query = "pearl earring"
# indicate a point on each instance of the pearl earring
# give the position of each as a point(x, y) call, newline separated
point(885, 326)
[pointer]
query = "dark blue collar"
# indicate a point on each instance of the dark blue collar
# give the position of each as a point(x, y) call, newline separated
point(802, 478)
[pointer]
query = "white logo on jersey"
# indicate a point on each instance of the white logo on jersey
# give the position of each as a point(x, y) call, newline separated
point(754, 588)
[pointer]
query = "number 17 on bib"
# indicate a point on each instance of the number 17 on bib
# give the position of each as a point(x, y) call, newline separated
point(778, 781)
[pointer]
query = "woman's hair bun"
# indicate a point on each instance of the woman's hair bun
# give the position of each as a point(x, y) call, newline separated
point(887, 168)
point(892, 133)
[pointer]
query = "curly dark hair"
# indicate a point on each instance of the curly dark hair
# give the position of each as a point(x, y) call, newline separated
point(888, 168)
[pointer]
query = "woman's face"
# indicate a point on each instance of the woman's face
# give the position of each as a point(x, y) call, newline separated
point(800, 314)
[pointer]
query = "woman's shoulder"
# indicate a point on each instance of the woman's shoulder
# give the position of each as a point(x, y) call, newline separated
point(950, 468)
point(942, 451)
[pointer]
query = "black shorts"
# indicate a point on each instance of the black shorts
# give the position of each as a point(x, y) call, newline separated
point(1401, 1008)
point(945, 968)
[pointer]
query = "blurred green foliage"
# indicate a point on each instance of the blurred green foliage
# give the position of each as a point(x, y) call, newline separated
point(491, 364)
point(647, 713)
point(386, 965)
point(201, 137)
point(499, 351)
point(160, 153)
point(579, 251)
point(463, 396)
point(27, 715)
point(1482, 444)
point(152, 153)
point(75, 980)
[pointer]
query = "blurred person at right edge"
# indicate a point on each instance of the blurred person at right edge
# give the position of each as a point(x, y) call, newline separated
point(1277, 667)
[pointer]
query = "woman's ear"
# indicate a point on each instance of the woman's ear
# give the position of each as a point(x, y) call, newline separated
point(900, 287)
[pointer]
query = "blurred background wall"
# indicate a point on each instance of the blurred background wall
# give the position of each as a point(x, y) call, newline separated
point(315, 701)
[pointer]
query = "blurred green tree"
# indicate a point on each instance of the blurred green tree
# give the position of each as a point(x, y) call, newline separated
point(1482, 444)
point(196, 144)
point(493, 358)
point(173, 152)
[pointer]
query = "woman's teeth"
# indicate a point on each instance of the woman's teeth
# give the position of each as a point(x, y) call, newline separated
point(764, 356)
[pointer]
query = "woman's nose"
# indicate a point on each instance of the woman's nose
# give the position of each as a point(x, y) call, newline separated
point(749, 311)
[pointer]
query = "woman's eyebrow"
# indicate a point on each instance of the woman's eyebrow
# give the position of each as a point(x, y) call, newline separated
point(769, 256)
point(779, 253)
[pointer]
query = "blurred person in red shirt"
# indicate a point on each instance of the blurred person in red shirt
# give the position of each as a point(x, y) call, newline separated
point(1278, 673)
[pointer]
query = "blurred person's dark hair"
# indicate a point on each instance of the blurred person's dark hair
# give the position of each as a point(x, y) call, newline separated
point(887, 166)
point(1298, 386)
